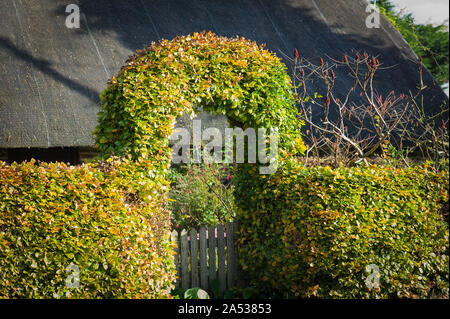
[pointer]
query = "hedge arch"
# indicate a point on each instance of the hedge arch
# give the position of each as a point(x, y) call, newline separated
point(230, 76)
point(234, 77)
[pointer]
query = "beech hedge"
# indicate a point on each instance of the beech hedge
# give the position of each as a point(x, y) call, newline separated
point(202, 71)
point(109, 218)
point(361, 232)
point(58, 220)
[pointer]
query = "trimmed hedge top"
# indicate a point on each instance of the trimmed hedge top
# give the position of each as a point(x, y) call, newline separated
point(55, 217)
point(230, 76)
point(314, 231)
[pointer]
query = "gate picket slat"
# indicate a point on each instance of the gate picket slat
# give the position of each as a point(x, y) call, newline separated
point(238, 270)
point(203, 257)
point(194, 258)
point(230, 255)
point(212, 253)
point(184, 260)
point(221, 258)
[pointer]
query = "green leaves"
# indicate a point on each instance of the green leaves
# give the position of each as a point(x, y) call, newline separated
point(92, 216)
point(312, 231)
point(232, 76)
point(427, 40)
point(195, 293)
point(201, 195)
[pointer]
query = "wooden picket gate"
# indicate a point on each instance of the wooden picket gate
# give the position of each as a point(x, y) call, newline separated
point(204, 255)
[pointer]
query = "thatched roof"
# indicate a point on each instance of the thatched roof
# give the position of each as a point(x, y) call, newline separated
point(51, 76)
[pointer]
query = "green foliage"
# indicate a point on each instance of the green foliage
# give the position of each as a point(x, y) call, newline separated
point(200, 195)
point(215, 285)
point(242, 293)
point(191, 293)
point(313, 231)
point(92, 216)
point(195, 293)
point(109, 218)
point(429, 41)
point(230, 76)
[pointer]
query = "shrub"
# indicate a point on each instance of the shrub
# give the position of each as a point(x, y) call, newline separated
point(313, 231)
point(230, 76)
point(200, 195)
point(54, 216)
point(109, 218)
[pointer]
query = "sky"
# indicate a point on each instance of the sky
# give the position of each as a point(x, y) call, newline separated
point(431, 11)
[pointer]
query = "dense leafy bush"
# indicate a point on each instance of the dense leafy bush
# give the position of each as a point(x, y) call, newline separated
point(313, 231)
point(109, 218)
point(230, 76)
point(54, 216)
point(200, 195)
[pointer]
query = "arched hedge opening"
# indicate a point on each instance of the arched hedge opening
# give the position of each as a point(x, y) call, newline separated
point(230, 76)
point(106, 222)
point(203, 71)
point(295, 223)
